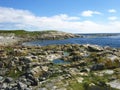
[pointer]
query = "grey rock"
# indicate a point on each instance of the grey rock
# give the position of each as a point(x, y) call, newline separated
point(36, 70)
point(21, 86)
point(84, 70)
point(4, 85)
point(98, 67)
point(19, 68)
point(31, 80)
point(115, 84)
point(42, 89)
point(1, 64)
point(94, 48)
point(3, 71)
point(8, 80)
point(1, 78)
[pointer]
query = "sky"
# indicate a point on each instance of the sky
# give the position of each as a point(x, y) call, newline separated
point(74, 16)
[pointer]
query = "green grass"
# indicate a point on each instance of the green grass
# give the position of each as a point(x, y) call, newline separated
point(19, 32)
point(14, 75)
point(23, 33)
point(75, 86)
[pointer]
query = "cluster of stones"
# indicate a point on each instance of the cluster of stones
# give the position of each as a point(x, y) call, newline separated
point(31, 68)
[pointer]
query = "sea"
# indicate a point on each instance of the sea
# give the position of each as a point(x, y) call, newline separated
point(111, 40)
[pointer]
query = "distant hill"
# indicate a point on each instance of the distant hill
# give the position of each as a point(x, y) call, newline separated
point(22, 35)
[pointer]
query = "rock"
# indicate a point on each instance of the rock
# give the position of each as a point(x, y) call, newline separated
point(1, 64)
point(12, 63)
point(110, 72)
point(56, 35)
point(79, 79)
point(42, 89)
point(66, 76)
point(44, 68)
point(36, 65)
point(98, 67)
point(36, 71)
point(63, 88)
point(93, 48)
point(50, 85)
point(107, 48)
point(8, 80)
point(25, 60)
point(21, 86)
point(1, 78)
point(73, 71)
point(3, 71)
point(31, 80)
point(113, 57)
point(19, 68)
point(84, 70)
point(4, 86)
point(53, 56)
point(115, 84)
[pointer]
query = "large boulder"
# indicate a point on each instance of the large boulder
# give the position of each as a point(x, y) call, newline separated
point(94, 48)
point(36, 71)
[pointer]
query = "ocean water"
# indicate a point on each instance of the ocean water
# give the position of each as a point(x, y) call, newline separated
point(112, 41)
point(59, 61)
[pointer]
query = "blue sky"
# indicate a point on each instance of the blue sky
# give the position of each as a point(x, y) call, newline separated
point(76, 16)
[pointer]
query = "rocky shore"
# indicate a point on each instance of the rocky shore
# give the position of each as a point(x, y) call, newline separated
point(88, 67)
point(8, 38)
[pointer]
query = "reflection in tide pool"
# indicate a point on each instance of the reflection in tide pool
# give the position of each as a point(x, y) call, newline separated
point(66, 53)
point(59, 61)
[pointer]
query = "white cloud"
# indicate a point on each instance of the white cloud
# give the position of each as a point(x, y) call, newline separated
point(23, 19)
point(65, 17)
point(112, 11)
point(112, 18)
point(90, 13)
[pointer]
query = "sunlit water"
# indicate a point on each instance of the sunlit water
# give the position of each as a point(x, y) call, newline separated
point(112, 41)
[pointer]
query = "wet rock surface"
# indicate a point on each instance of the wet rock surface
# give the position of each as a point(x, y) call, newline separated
point(32, 68)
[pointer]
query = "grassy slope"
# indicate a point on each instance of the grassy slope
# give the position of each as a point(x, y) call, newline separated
point(23, 32)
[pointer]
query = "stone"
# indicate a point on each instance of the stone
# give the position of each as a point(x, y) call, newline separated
point(8, 80)
point(1, 64)
point(25, 59)
point(98, 67)
point(3, 71)
point(51, 57)
point(113, 57)
point(21, 85)
point(93, 48)
point(44, 68)
point(42, 89)
point(19, 68)
point(110, 72)
point(36, 71)
point(84, 70)
point(1, 78)
point(63, 88)
point(4, 86)
point(31, 80)
point(79, 79)
point(115, 84)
